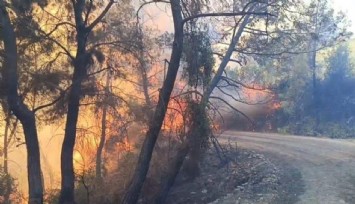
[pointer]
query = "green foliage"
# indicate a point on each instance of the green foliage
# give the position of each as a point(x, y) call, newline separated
point(337, 94)
point(337, 130)
point(295, 91)
point(46, 81)
point(86, 182)
point(140, 111)
point(84, 186)
point(306, 126)
point(200, 129)
point(336, 100)
point(197, 137)
point(198, 56)
point(25, 5)
point(8, 186)
point(52, 196)
point(309, 127)
point(339, 64)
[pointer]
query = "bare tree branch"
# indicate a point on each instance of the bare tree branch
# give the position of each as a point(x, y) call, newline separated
point(228, 80)
point(240, 100)
point(101, 16)
point(233, 108)
point(232, 14)
point(49, 104)
point(88, 12)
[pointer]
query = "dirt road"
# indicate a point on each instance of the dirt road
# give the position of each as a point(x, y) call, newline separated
point(327, 166)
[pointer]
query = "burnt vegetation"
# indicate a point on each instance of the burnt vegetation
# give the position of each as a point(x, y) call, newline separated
point(137, 106)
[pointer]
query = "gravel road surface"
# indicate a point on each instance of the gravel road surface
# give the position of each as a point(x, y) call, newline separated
point(327, 166)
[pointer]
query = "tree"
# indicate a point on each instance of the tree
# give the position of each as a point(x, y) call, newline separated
point(81, 62)
point(156, 122)
point(8, 187)
point(252, 13)
point(336, 97)
point(260, 31)
point(325, 29)
point(18, 107)
point(103, 128)
point(165, 93)
point(336, 92)
point(9, 134)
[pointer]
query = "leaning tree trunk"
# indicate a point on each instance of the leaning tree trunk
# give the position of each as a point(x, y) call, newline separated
point(185, 150)
point(20, 110)
point(155, 125)
point(222, 66)
point(193, 145)
point(172, 173)
point(196, 153)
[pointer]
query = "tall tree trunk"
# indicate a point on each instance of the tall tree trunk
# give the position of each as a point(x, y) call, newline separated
point(103, 132)
point(143, 67)
point(67, 166)
point(184, 151)
point(145, 81)
point(80, 71)
point(145, 85)
point(145, 155)
point(313, 66)
point(81, 62)
point(33, 158)
point(20, 110)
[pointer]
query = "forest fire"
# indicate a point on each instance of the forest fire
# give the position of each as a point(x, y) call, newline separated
point(121, 98)
point(175, 120)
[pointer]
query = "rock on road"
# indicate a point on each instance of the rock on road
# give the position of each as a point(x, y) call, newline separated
point(327, 166)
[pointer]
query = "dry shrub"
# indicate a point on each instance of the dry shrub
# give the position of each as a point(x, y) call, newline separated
point(119, 167)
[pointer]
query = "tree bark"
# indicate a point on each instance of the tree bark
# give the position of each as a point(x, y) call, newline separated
point(193, 154)
point(80, 68)
point(20, 110)
point(81, 63)
point(173, 171)
point(231, 48)
point(133, 193)
point(103, 132)
point(185, 150)
point(67, 166)
point(145, 155)
point(145, 81)
point(313, 66)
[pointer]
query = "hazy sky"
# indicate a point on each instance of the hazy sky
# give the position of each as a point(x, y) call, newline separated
point(348, 6)
point(157, 10)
